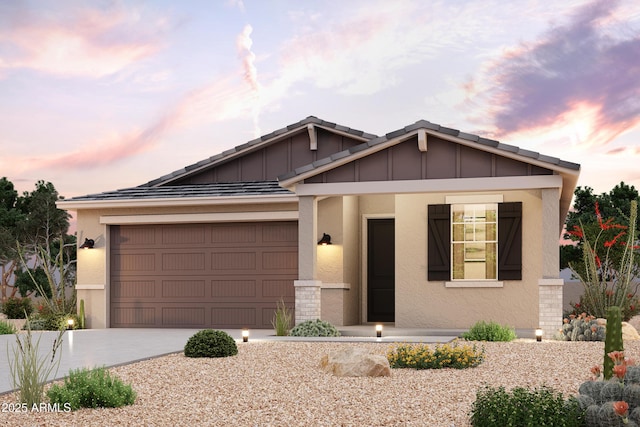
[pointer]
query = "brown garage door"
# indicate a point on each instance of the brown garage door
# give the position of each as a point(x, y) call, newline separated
point(227, 275)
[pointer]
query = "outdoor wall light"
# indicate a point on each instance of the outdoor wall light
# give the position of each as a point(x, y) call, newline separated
point(539, 334)
point(88, 244)
point(378, 331)
point(245, 335)
point(326, 239)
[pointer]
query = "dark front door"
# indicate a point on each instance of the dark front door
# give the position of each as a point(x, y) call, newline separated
point(381, 270)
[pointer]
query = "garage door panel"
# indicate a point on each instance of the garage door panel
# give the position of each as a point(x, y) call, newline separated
point(133, 289)
point(180, 316)
point(233, 260)
point(187, 261)
point(183, 289)
point(184, 235)
point(233, 317)
point(133, 316)
point(202, 275)
point(233, 288)
point(134, 262)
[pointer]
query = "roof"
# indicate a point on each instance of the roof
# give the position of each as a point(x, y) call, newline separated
point(259, 142)
point(160, 189)
point(444, 132)
point(234, 189)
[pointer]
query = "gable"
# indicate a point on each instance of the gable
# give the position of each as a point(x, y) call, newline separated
point(273, 160)
point(442, 160)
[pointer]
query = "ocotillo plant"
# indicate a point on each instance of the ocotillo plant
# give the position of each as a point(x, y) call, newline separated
point(613, 339)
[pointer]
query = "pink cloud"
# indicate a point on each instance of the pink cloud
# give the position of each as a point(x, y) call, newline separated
point(82, 42)
point(243, 46)
point(585, 64)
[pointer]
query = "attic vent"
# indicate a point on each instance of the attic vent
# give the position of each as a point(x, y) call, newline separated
point(313, 137)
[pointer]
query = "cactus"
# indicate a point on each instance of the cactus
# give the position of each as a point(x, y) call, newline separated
point(81, 315)
point(632, 375)
point(631, 395)
point(582, 328)
point(611, 391)
point(613, 339)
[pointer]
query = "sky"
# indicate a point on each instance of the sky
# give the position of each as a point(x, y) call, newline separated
point(103, 95)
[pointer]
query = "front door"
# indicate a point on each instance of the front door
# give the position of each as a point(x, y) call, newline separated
point(381, 270)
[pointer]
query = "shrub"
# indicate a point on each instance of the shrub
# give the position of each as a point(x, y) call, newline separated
point(15, 308)
point(420, 356)
point(282, 319)
point(210, 343)
point(35, 324)
point(314, 328)
point(524, 407)
point(59, 321)
point(31, 368)
point(581, 328)
point(492, 331)
point(7, 328)
point(92, 388)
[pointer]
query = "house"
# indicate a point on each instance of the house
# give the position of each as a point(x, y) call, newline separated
point(430, 227)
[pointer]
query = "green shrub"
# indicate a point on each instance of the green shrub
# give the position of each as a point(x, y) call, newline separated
point(7, 328)
point(420, 356)
point(210, 343)
point(91, 388)
point(581, 328)
point(36, 324)
point(492, 331)
point(314, 328)
point(524, 408)
point(15, 308)
point(282, 319)
point(54, 322)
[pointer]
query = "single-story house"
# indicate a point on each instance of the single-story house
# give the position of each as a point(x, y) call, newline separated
point(429, 227)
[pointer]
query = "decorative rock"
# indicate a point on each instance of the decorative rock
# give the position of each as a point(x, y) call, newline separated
point(629, 332)
point(352, 362)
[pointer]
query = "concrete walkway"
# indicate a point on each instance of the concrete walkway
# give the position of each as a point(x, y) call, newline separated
point(111, 347)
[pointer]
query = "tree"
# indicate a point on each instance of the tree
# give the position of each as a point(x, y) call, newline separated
point(29, 224)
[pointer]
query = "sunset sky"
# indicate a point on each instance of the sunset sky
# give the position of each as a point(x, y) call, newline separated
point(101, 95)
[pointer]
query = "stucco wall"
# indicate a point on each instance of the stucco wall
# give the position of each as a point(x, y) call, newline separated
point(337, 264)
point(92, 274)
point(420, 303)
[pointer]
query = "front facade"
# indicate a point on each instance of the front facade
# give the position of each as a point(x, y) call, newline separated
point(430, 228)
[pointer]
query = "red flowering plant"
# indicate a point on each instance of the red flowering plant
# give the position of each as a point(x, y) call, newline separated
point(610, 265)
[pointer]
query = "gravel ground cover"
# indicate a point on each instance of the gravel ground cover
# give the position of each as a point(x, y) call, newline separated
point(275, 383)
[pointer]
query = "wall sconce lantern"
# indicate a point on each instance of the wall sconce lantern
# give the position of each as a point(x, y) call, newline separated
point(326, 239)
point(88, 244)
point(245, 335)
point(539, 334)
point(378, 331)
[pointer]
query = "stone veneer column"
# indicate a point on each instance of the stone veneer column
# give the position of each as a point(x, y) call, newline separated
point(307, 288)
point(550, 306)
point(550, 286)
point(308, 297)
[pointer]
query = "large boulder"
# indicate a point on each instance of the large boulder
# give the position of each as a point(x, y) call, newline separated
point(629, 332)
point(354, 362)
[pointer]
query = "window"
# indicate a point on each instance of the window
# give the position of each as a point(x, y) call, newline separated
point(475, 241)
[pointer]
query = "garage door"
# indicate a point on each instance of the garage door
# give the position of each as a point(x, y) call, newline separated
point(228, 275)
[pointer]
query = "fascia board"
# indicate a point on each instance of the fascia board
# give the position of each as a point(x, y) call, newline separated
point(170, 201)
